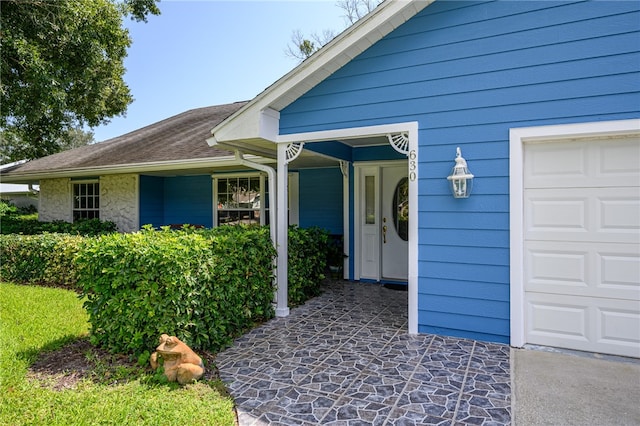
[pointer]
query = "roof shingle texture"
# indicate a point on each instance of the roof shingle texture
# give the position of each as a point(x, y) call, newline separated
point(181, 137)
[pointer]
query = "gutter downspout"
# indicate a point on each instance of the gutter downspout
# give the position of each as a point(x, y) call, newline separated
point(271, 173)
point(272, 191)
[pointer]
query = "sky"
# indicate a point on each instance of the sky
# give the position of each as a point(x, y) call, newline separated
point(211, 52)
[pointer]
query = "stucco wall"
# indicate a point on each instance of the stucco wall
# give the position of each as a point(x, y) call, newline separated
point(119, 201)
point(55, 200)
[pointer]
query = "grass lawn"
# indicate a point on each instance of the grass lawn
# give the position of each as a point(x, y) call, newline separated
point(36, 320)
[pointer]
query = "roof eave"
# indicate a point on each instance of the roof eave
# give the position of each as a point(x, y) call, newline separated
point(248, 123)
point(139, 168)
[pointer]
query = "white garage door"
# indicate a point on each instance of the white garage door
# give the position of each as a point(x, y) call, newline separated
point(582, 244)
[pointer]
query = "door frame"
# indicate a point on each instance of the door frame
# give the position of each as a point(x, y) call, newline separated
point(359, 169)
point(411, 130)
point(518, 137)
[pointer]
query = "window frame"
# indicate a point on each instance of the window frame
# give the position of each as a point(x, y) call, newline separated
point(263, 210)
point(94, 197)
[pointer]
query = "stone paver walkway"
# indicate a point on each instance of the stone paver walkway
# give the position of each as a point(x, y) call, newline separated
point(345, 358)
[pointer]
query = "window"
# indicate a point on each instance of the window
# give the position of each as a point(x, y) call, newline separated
point(239, 200)
point(86, 200)
point(370, 200)
point(401, 209)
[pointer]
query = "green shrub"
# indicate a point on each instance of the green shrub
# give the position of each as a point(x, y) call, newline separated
point(206, 287)
point(29, 225)
point(307, 262)
point(7, 208)
point(45, 259)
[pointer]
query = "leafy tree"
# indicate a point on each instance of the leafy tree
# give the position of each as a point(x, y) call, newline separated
point(302, 47)
point(10, 146)
point(62, 67)
point(75, 137)
point(14, 148)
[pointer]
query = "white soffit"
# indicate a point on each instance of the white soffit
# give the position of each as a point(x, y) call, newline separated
point(244, 124)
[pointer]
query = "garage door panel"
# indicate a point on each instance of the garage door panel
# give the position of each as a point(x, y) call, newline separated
point(559, 268)
point(583, 214)
point(619, 269)
point(618, 212)
point(575, 268)
point(585, 163)
point(564, 318)
point(618, 326)
point(582, 244)
point(618, 158)
point(584, 323)
point(548, 163)
point(556, 211)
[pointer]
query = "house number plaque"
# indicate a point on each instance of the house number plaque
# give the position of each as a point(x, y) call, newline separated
point(413, 165)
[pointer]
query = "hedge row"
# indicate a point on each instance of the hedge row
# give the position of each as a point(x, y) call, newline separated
point(308, 250)
point(205, 286)
point(16, 224)
point(45, 259)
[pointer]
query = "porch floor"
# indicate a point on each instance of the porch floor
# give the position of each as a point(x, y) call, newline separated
point(345, 358)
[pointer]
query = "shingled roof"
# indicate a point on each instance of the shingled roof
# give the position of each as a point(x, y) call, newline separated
point(175, 139)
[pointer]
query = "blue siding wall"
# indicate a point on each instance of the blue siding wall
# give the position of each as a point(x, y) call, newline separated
point(176, 200)
point(320, 199)
point(468, 72)
point(151, 201)
point(346, 153)
point(189, 199)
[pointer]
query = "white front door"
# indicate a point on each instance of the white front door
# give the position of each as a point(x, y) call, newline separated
point(383, 213)
point(395, 222)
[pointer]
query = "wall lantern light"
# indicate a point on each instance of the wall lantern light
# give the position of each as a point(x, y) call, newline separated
point(461, 179)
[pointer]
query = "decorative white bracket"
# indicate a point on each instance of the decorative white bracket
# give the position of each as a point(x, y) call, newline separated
point(399, 142)
point(293, 151)
point(344, 168)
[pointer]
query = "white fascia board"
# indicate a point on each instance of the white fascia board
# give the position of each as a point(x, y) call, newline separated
point(10, 165)
point(577, 130)
point(245, 124)
point(348, 133)
point(159, 166)
point(14, 188)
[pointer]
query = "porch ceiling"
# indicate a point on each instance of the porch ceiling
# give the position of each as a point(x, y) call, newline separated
point(308, 158)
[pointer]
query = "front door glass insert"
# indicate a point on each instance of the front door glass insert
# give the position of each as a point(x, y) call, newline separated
point(401, 209)
point(370, 200)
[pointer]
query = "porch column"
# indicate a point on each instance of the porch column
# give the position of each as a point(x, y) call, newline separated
point(406, 143)
point(282, 279)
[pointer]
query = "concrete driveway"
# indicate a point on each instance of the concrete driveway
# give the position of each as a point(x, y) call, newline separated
point(552, 387)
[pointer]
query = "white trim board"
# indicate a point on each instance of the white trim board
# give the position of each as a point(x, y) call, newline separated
point(517, 138)
point(348, 133)
point(411, 128)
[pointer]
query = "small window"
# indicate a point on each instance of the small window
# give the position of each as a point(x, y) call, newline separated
point(370, 200)
point(86, 200)
point(401, 209)
point(239, 200)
